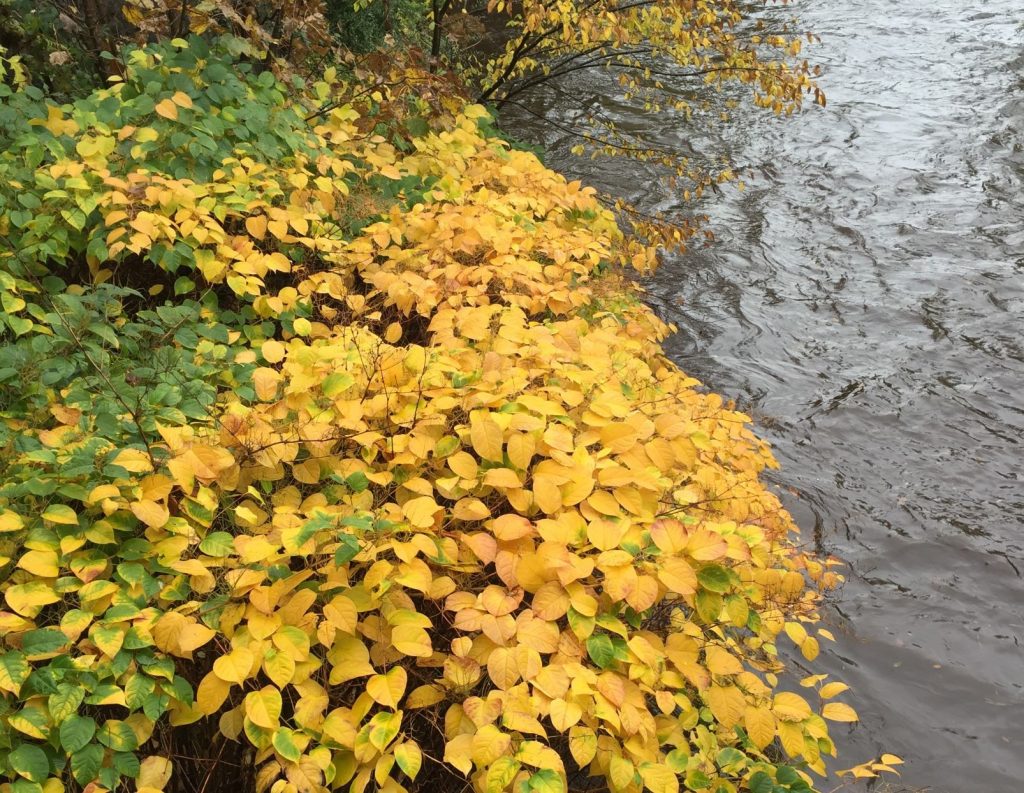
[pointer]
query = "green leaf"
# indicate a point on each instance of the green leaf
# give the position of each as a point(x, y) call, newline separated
point(546, 780)
point(285, 745)
point(76, 732)
point(336, 384)
point(601, 650)
point(357, 482)
point(714, 577)
point(118, 736)
point(760, 783)
point(347, 550)
point(14, 670)
point(30, 761)
point(218, 543)
point(65, 702)
point(86, 763)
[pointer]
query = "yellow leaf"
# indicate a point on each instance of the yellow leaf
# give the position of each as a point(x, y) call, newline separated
point(796, 632)
point(459, 753)
point(133, 460)
point(606, 534)
point(659, 778)
point(211, 694)
point(463, 464)
point(810, 648)
point(837, 711)
point(349, 660)
point(236, 666)
point(486, 436)
point(40, 563)
point(29, 599)
point(424, 696)
point(502, 668)
point(60, 513)
point(411, 640)
point(830, 690)
point(760, 724)
point(721, 662)
point(263, 707)
point(193, 636)
point(181, 99)
point(272, 351)
point(409, 758)
point(265, 381)
point(151, 513)
point(727, 704)
point(256, 225)
point(154, 772)
point(790, 707)
point(421, 512)
point(521, 448)
point(279, 667)
point(10, 521)
point(582, 745)
point(387, 689)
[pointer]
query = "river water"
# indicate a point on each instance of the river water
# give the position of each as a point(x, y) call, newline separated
point(864, 301)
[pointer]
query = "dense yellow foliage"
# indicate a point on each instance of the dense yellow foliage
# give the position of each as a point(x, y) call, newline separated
point(457, 517)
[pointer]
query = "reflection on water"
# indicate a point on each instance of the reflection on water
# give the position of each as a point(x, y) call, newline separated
point(865, 302)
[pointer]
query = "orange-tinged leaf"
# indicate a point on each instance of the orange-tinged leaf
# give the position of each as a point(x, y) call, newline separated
point(550, 601)
point(564, 714)
point(706, 546)
point(167, 109)
point(677, 576)
point(502, 668)
point(256, 225)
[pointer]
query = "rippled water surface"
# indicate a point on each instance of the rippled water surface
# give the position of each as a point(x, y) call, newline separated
point(865, 302)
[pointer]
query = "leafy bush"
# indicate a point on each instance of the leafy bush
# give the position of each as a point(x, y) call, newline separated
point(392, 491)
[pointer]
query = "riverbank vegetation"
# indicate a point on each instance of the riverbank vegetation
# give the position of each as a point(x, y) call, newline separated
point(339, 453)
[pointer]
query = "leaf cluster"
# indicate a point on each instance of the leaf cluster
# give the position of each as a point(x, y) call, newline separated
point(340, 460)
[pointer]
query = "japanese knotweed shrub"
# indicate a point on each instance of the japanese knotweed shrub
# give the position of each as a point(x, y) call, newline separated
point(396, 492)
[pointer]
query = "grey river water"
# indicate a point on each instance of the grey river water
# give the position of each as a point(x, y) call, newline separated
point(864, 301)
